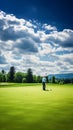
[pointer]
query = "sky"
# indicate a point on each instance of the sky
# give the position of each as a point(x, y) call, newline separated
point(36, 34)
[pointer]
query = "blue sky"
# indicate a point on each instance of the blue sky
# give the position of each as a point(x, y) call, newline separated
point(36, 34)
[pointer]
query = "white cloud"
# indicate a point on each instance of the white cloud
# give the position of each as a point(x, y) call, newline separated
point(63, 38)
point(45, 49)
point(26, 44)
point(49, 27)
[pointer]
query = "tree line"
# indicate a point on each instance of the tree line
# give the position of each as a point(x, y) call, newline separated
point(19, 77)
point(60, 81)
point(28, 77)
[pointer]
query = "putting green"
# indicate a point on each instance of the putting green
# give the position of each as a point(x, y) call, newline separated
point(31, 108)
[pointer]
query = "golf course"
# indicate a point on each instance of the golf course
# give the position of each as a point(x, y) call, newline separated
point(27, 107)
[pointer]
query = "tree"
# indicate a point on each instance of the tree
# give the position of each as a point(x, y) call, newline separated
point(3, 72)
point(53, 79)
point(72, 80)
point(19, 76)
point(39, 79)
point(34, 78)
point(11, 74)
point(29, 76)
point(3, 76)
point(24, 80)
point(0, 77)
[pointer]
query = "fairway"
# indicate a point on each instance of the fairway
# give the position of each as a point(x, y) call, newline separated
point(28, 107)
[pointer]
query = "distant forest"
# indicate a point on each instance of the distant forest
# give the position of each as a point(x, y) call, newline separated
point(29, 77)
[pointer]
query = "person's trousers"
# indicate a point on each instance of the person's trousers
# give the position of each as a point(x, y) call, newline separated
point(44, 86)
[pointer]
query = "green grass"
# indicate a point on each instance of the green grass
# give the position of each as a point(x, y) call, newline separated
point(31, 108)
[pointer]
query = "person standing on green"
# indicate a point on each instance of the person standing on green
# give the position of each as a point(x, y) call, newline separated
point(44, 83)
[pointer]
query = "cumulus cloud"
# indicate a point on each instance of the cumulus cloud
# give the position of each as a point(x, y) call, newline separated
point(63, 38)
point(27, 44)
point(49, 27)
point(13, 29)
point(2, 59)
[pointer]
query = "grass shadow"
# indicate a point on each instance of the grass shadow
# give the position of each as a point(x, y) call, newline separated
point(48, 90)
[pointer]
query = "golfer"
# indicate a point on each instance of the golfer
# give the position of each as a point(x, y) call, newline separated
point(44, 83)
